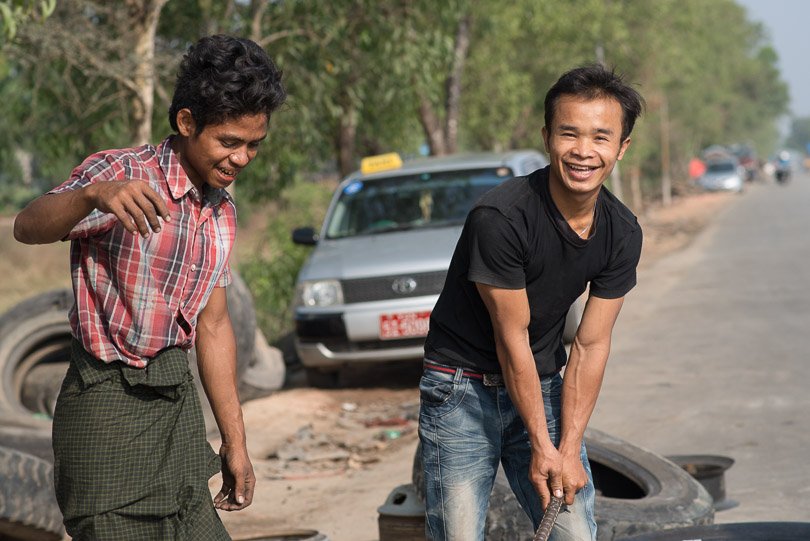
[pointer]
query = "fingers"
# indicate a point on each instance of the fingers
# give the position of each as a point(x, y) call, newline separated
point(235, 498)
point(137, 206)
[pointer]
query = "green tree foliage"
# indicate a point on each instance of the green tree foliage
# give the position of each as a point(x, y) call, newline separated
point(14, 13)
point(799, 136)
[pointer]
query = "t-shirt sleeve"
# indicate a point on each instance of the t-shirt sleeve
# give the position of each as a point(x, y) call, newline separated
point(496, 250)
point(96, 168)
point(619, 277)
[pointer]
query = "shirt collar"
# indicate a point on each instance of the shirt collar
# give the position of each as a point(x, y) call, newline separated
point(177, 180)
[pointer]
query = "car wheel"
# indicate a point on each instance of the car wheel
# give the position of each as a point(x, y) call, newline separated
point(28, 509)
point(636, 491)
point(323, 379)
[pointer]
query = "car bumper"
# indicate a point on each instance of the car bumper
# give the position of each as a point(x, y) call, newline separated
point(331, 338)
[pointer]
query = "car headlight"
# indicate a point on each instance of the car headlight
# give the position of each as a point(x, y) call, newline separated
point(320, 293)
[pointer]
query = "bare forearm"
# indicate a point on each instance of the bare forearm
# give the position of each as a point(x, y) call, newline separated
point(523, 384)
point(581, 386)
point(216, 360)
point(51, 217)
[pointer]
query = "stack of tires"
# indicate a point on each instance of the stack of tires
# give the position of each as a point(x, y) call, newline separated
point(35, 342)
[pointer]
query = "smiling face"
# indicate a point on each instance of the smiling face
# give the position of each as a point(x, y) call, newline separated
point(583, 144)
point(216, 155)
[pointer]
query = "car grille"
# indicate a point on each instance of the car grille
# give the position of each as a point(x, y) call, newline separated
point(381, 288)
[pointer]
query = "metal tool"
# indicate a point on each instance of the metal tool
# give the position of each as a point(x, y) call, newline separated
point(549, 518)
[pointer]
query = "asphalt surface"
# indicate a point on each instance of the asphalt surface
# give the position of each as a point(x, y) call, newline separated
point(710, 354)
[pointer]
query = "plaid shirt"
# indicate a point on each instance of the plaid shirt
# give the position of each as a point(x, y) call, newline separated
point(136, 296)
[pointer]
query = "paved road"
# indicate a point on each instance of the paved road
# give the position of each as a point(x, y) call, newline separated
point(712, 353)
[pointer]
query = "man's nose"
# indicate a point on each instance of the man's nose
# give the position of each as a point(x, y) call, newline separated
point(240, 157)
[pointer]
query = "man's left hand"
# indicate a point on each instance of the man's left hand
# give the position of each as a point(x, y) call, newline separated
point(238, 479)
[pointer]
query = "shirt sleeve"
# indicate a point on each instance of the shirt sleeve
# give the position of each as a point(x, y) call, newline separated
point(496, 250)
point(96, 168)
point(619, 277)
point(225, 278)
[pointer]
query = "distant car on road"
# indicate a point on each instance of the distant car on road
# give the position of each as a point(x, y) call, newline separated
point(723, 174)
point(380, 259)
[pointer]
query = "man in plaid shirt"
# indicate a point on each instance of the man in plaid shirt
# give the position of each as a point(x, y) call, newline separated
point(151, 231)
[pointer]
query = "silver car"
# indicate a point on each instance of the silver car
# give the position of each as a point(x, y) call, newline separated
point(379, 263)
point(725, 174)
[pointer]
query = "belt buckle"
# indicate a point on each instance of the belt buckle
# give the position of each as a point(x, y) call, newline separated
point(493, 380)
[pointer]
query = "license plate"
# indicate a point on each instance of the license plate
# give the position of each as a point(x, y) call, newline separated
point(404, 325)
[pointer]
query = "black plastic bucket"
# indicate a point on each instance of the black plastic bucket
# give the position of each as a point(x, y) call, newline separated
point(709, 471)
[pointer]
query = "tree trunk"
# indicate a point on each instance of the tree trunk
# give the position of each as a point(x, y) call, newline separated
point(460, 50)
point(666, 176)
point(432, 128)
point(616, 183)
point(345, 140)
point(635, 188)
point(144, 15)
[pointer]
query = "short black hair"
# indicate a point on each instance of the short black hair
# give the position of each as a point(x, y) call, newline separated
point(223, 77)
point(592, 82)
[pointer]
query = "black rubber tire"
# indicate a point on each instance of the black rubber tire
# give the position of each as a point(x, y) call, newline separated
point(34, 331)
point(744, 531)
point(637, 491)
point(290, 535)
point(35, 338)
point(28, 509)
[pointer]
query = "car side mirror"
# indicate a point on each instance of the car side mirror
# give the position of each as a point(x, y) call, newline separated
point(305, 235)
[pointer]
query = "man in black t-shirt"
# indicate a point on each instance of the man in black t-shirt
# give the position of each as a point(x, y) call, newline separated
point(492, 390)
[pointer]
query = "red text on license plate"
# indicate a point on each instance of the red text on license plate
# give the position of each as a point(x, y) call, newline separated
point(404, 325)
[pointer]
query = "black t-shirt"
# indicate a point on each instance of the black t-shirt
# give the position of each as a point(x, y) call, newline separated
point(514, 238)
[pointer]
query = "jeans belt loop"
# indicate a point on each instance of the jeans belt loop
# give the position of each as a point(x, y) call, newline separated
point(458, 375)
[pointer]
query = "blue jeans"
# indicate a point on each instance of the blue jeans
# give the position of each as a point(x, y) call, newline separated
point(466, 430)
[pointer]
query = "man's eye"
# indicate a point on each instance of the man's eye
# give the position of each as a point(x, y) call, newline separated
point(228, 144)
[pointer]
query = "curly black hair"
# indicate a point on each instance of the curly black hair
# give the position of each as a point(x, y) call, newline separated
point(223, 77)
point(596, 81)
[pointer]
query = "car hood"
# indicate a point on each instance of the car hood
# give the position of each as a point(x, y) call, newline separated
point(384, 254)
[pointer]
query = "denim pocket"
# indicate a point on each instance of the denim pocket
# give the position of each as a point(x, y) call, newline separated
point(439, 393)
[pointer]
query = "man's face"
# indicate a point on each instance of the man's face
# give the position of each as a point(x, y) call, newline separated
point(216, 155)
point(584, 142)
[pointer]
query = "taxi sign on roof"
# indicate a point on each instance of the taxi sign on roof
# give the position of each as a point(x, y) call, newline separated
point(382, 162)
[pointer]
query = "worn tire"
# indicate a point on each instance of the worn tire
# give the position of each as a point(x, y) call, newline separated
point(35, 331)
point(28, 509)
point(290, 535)
point(744, 531)
point(35, 338)
point(637, 491)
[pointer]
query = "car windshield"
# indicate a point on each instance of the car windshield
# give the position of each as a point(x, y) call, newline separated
point(721, 167)
point(380, 205)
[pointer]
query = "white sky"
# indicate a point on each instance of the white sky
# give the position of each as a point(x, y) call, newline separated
point(788, 23)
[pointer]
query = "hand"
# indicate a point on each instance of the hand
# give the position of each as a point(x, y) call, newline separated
point(545, 473)
point(573, 475)
point(238, 480)
point(136, 205)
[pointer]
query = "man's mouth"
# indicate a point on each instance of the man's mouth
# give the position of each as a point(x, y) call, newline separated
point(228, 173)
point(580, 171)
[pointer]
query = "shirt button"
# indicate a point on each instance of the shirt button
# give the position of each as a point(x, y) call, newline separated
point(194, 268)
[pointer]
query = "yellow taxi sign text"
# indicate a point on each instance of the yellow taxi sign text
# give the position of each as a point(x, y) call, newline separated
point(381, 162)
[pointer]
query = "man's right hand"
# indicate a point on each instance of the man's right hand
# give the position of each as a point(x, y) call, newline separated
point(136, 205)
point(545, 473)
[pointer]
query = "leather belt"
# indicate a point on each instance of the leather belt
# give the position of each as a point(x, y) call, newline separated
point(489, 379)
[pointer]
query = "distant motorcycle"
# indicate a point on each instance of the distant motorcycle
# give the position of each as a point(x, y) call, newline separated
point(783, 168)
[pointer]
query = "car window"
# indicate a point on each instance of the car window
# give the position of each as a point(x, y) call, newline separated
point(721, 167)
point(381, 205)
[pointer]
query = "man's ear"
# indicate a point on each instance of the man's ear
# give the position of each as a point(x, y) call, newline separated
point(185, 122)
point(623, 148)
point(544, 133)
